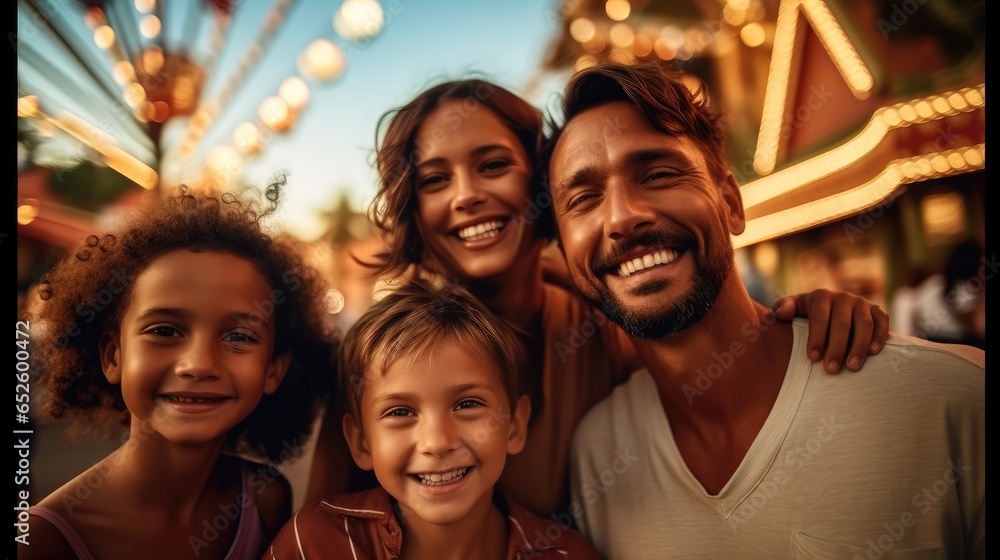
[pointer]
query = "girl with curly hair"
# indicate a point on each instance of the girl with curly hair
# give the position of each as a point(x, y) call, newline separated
point(202, 331)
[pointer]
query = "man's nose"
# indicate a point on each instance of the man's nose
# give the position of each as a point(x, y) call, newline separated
point(627, 210)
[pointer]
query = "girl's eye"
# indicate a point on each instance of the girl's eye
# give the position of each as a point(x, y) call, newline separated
point(398, 412)
point(239, 337)
point(469, 403)
point(165, 332)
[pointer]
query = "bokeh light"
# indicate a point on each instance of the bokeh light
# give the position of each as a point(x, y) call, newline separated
point(295, 92)
point(618, 10)
point(322, 60)
point(359, 20)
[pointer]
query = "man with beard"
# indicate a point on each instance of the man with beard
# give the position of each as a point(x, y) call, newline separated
point(731, 443)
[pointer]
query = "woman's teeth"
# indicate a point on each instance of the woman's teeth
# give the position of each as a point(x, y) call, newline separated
point(480, 231)
point(440, 479)
point(662, 256)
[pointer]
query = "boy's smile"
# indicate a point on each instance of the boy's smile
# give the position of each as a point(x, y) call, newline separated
point(436, 430)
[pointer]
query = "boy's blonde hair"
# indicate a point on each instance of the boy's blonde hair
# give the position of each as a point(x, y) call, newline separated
point(411, 320)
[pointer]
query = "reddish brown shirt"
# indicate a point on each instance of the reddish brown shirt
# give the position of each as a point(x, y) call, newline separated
point(363, 525)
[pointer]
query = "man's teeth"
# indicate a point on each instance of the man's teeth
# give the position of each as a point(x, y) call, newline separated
point(480, 231)
point(440, 479)
point(188, 399)
point(662, 256)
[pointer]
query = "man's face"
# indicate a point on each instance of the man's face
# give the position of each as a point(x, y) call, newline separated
point(644, 226)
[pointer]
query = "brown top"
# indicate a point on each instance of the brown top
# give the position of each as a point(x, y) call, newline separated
point(585, 357)
point(364, 525)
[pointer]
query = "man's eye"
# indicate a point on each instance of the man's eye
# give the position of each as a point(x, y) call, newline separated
point(579, 199)
point(659, 174)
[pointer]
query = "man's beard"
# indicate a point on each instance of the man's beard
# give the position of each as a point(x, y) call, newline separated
point(711, 273)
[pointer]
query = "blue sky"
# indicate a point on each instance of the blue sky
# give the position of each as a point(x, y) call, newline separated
point(329, 150)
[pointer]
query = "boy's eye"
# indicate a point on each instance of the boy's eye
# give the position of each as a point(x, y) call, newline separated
point(469, 403)
point(398, 412)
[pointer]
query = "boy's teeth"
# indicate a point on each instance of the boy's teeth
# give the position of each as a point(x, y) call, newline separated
point(439, 479)
point(480, 231)
point(662, 256)
point(188, 399)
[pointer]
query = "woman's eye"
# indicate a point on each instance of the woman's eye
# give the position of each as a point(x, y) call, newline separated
point(495, 165)
point(469, 403)
point(430, 181)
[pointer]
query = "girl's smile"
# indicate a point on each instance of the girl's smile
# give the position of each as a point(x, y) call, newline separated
point(193, 354)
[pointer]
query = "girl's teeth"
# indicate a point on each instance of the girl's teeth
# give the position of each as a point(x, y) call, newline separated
point(187, 399)
point(440, 479)
point(656, 258)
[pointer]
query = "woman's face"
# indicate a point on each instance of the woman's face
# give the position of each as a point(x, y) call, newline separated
point(472, 182)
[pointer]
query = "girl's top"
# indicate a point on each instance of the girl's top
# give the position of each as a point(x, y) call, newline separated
point(248, 544)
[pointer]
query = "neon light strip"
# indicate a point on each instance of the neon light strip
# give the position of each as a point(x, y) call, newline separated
point(897, 173)
point(885, 119)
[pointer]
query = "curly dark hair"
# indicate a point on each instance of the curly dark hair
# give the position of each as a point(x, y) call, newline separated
point(85, 295)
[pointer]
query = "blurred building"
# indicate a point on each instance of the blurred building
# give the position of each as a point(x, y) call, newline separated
point(857, 128)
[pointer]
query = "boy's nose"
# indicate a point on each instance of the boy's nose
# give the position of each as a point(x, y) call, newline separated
point(438, 436)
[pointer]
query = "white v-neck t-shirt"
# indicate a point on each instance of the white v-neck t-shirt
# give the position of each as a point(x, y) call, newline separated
point(885, 463)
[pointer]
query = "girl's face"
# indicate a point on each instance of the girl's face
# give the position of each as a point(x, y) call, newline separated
point(194, 353)
point(472, 180)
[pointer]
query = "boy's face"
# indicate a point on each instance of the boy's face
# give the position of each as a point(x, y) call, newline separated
point(437, 430)
point(194, 351)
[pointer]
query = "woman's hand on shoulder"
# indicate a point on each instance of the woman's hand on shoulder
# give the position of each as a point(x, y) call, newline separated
point(844, 328)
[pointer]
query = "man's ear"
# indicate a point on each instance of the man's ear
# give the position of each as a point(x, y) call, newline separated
point(356, 440)
point(733, 200)
point(109, 347)
point(517, 428)
point(276, 371)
